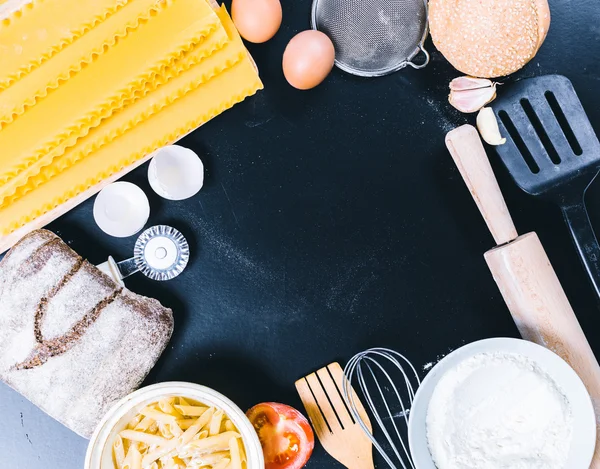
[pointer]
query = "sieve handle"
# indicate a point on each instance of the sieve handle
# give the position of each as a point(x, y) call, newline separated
point(424, 53)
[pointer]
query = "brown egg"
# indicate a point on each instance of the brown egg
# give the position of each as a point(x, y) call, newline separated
point(256, 20)
point(308, 59)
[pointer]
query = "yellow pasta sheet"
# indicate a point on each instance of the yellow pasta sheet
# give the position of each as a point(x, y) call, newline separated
point(115, 79)
point(65, 64)
point(42, 28)
point(176, 108)
point(122, 120)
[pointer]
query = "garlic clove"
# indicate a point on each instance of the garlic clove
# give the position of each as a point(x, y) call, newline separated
point(472, 100)
point(470, 83)
point(488, 127)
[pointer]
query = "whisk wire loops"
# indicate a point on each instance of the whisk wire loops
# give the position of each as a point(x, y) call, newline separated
point(373, 370)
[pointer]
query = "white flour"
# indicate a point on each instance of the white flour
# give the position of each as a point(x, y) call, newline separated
point(499, 411)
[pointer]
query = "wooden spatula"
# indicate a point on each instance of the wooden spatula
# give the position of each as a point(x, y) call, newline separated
point(337, 431)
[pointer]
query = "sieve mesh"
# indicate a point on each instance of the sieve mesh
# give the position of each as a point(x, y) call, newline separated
point(373, 37)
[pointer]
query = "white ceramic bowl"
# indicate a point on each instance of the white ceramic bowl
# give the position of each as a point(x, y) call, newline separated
point(584, 426)
point(99, 452)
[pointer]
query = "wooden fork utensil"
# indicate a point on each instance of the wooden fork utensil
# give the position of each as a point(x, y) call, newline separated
point(339, 433)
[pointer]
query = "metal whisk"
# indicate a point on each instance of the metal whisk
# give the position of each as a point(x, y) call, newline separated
point(385, 378)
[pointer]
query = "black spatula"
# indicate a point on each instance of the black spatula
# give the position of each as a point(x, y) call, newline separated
point(552, 151)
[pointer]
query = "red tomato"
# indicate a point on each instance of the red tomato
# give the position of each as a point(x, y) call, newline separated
point(284, 433)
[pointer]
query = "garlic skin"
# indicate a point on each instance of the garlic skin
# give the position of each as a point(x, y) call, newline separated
point(488, 127)
point(469, 94)
point(469, 83)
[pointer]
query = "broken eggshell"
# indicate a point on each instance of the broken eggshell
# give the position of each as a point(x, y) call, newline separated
point(176, 173)
point(121, 209)
point(488, 127)
point(469, 94)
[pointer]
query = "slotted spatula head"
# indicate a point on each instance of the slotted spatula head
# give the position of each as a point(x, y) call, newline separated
point(551, 146)
point(340, 435)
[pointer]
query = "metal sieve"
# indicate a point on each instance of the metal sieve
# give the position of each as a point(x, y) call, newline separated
point(374, 37)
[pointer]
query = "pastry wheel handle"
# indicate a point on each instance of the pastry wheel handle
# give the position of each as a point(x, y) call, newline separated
point(470, 157)
point(128, 267)
point(119, 270)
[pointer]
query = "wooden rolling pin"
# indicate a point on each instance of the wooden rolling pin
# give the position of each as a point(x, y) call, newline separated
point(523, 272)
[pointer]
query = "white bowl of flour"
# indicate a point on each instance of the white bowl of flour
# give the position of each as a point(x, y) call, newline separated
point(502, 404)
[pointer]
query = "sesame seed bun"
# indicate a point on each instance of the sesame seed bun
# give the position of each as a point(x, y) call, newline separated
point(488, 38)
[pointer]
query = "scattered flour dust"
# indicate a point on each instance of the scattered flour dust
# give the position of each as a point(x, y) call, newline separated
point(499, 411)
point(429, 365)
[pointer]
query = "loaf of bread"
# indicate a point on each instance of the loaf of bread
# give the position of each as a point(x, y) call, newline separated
point(73, 341)
point(488, 38)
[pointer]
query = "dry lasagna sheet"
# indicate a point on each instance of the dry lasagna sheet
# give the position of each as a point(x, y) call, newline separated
point(86, 95)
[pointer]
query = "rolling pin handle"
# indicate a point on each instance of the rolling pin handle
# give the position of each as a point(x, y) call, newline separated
point(471, 159)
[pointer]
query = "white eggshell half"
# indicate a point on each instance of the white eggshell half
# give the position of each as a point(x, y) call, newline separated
point(121, 209)
point(176, 173)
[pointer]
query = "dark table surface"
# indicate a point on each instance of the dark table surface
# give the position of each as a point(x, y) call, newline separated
point(331, 221)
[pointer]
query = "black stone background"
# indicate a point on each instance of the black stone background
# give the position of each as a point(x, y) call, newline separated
point(331, 220)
